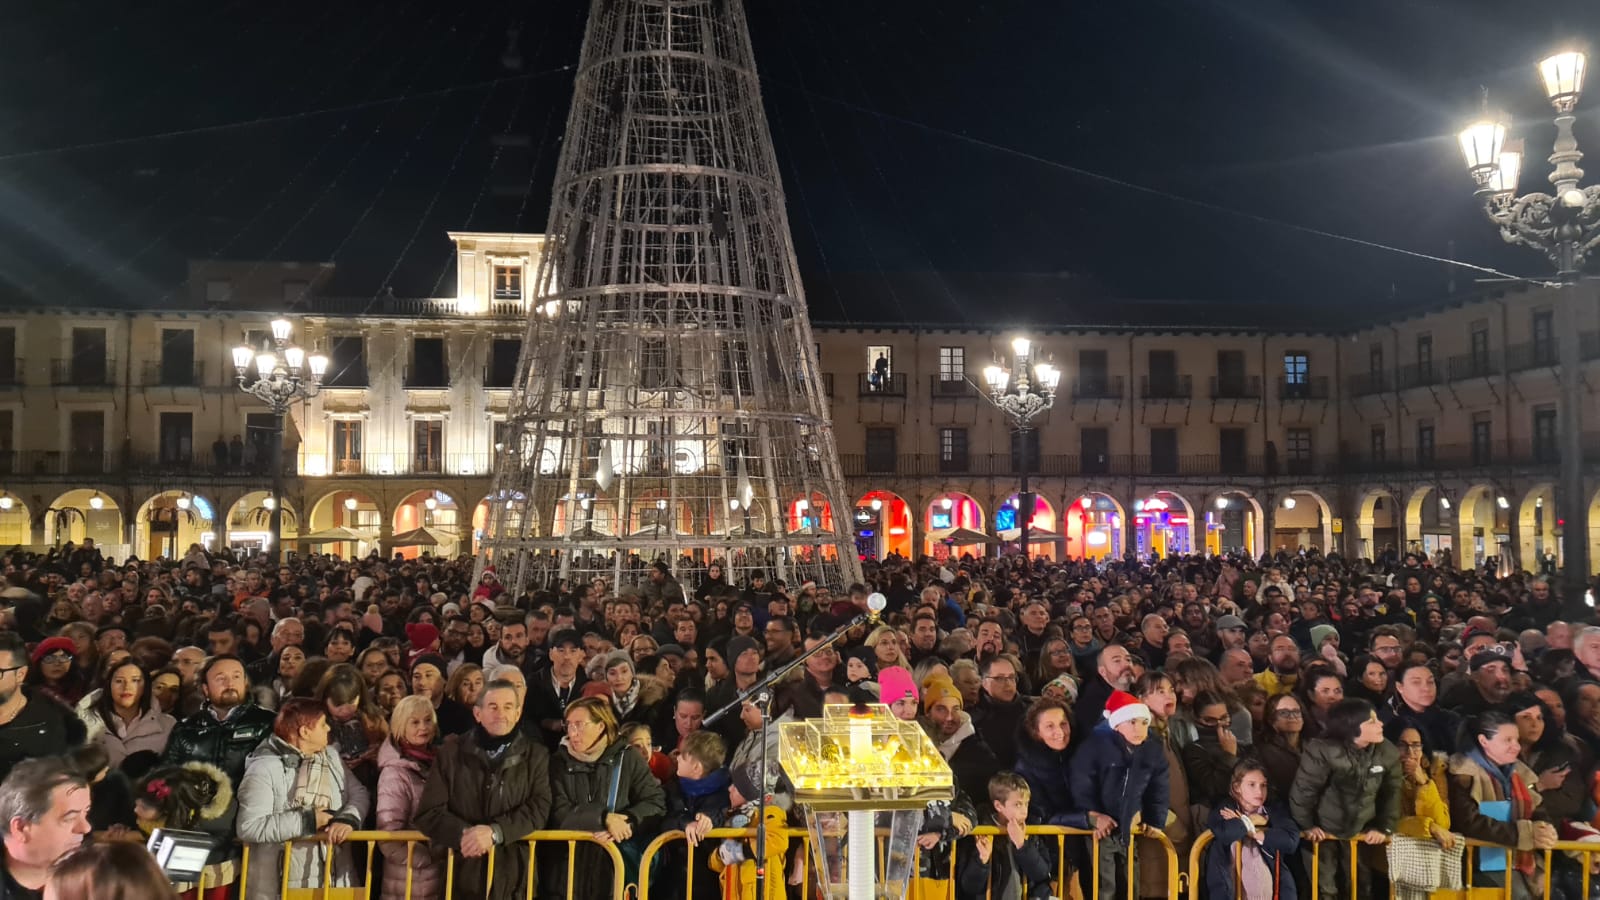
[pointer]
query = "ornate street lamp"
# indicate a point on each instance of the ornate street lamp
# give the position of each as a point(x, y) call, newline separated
point(1022, 400)
point(1565, 226)
point(283, 374)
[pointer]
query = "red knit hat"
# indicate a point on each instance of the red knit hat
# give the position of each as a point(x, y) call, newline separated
point(422, 636)
point(51, 645)
point(1122, 706)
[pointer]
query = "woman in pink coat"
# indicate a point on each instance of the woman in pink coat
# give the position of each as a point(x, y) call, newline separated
point(403, 763)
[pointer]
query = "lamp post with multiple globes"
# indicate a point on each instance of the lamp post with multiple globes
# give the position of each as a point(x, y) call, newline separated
point(1022, 391)
point(1565, 226)
point(283, 373)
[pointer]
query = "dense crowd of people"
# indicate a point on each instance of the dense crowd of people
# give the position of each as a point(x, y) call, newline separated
point(1402, 702)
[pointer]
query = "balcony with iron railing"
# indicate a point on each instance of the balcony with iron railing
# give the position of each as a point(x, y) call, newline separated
point(159, 373)
point(1166, 387)
point(1471, 365)
point(950, 388)
point(1236, 387)
point(1532, 355)
point(870, 384)
point(83, 372)
point(1367, 383)
point(1417, 374)
point(1314, 387)
point(1097, 387)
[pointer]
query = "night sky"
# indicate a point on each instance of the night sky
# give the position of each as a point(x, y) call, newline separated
point(936, 154)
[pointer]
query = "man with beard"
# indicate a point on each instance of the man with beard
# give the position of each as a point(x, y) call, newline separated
point(1000, 707)
point(29, 726)
point(971, 759)
point(1413, 706)
point(1283, 666)
point(924, 636)
point(991, 639)
point(513, 646)
point(222, 733)
point(1115, 673)
point(487, 789)
point(1488, 684)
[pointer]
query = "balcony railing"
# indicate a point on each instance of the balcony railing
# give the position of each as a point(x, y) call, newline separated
point(159, 374)
point(1418, 374)
point(1097, 387)
point(1314, 387)
point(1472, 365)
point(950, 388)
point(1236, 387)
point(890, 385)
point(1531, 355)
point(1166, 387)
point(1367, 383)
point(88, 372)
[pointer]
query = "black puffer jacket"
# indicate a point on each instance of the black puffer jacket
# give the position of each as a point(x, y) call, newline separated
point(1345, 790)
point(224, 744)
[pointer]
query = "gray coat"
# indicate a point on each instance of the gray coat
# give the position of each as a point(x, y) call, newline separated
point(266, 820)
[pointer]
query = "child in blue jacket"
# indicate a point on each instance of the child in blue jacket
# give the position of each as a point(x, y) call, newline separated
point(1117, 770)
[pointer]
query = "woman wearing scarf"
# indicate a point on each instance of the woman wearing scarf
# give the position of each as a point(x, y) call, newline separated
point(1252, 840)
point(296, 786)
point(635, 698)
point(403, 763)
point(604, 788)
point(1495, 798)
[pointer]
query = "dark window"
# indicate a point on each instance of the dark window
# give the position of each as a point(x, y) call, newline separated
point(1425, 443)
point(881, 450)
point(508, 282)
point(1378, 447)
point(428, 367)
point(654, 367)
point(259, 433)
point(1231, 452)
point(952, 449)
point(347, 363)
point(1424, 354)
point(177, 437)
point(8, 445)
point(1092, 372)
point(1544, 337)
point(1094, 448)
point(1163, 451)
point(1163, 373)
point(1478, 342)
point(88, 441)
point(1545, 439)
point(88, 356)
point(1482, 454)
point(1025, 450)
point(10, 371)
point(177, 356)
point(1297, 449)
point(1375, 362)
point(347, 446)
point(427, 446)
point(503, 354)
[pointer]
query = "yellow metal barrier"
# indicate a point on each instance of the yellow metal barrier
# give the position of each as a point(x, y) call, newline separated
point(412, 838)
point(1587, 850)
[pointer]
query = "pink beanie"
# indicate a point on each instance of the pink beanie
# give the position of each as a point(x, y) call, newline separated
point(895, 684)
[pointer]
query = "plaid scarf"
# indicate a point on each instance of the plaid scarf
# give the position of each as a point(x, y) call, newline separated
point(314, 786)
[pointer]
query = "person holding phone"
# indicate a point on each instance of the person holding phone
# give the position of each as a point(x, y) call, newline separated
point(1564, 765)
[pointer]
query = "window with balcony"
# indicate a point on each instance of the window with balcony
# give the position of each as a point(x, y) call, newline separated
point(347, 362)
point(1163, 451)
point(1482, 440)
point(880, 450)
point(1025, 450)
point(86, 433)
point(10, 366)
point(1478, 346)
point(952, 364)
point(1093, 373)
point(1545, 439)
point(1377, 446)
point(88, 365)
point(952, 449)
point(1232, 451)
point(1297, 450)
point(346, 450)
point(177, 357)
point(1425, 443)
point(508, 282)
point(1296, 373)
point(880, 367)
point(1544, 337)
point(428, 366)
point(427, 447)
point(1163, 374)
point(1375, 362)
point(1094, 450)
point(1424, 353)
point(259, 431)
point(503, 356)
point(1231, 377)
point(177, 438)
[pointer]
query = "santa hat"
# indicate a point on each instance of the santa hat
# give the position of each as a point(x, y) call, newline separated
point(1124, 707)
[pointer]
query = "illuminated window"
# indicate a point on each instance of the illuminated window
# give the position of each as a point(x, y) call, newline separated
point(508, 282)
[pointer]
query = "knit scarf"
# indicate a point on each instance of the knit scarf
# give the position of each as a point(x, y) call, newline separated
point(493, 746)
point(422, 756)
point(695, 788)
point(625, 702)
point(313, 786)
point(1511, 788)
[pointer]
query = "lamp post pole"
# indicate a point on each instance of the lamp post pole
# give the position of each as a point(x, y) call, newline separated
point(283, 374)
point(1565, 226)
point(1020, 403)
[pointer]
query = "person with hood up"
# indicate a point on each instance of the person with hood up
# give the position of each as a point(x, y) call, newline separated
point(1119, 770)
point(296, 786)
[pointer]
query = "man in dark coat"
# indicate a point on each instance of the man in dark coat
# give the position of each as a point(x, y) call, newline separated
point(488, 788)
point(1115, 673)
point(552, 687)
point(1413, 706)
point(971, 758)
point(30, 726)
point(1000, 709)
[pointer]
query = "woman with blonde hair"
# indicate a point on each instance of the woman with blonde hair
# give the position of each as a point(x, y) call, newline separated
point(888, 647)
point(404, 761)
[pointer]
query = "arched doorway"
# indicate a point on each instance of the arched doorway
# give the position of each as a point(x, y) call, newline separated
point(427, 522)
point(1044, 531)
point(250, 523)
point(1302, 519)
point(1536, 527)
point(950, 517)
point(344, 523)
point(1234, 524)
point(1377, 523)
point(1430, 521)
point(883, 525)
point(169, 523)
point(812, 517)
point(1092, 525)
point(1163, 525)
point(85, 513)
point(1483, 525)
point(16, 521)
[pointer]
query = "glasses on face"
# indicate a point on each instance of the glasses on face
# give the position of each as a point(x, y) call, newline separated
point(5, 671)
point(1289, 714)
point(1061, 651)
point(1219, 721)
point(1082, 626)
point(59, 656)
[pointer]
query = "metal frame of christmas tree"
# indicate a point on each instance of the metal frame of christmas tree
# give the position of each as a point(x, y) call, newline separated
point(668, 404)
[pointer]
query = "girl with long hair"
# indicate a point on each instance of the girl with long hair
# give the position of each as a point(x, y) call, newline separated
point(1252, 841)
point(124, 720)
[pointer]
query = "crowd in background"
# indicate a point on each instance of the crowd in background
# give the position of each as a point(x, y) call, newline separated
point(1403, 702)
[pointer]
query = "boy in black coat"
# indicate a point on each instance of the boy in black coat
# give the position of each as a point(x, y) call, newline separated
point(998, 867)
point(697, 802)
point(1118, 775)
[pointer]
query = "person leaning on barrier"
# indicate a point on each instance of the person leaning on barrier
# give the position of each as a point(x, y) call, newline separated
point(44, 811)
point(1494, 798)
point(1348, 786)
point(997, 867)
point(1118, 770)
point(488, 789)
point(404, 760)
point(1252, 838)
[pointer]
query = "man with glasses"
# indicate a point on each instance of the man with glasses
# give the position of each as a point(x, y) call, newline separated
point(30, 728)
point(1386, 646)
point(1000, 707)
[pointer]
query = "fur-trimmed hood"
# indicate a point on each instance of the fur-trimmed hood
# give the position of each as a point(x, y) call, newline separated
point(224, 795)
